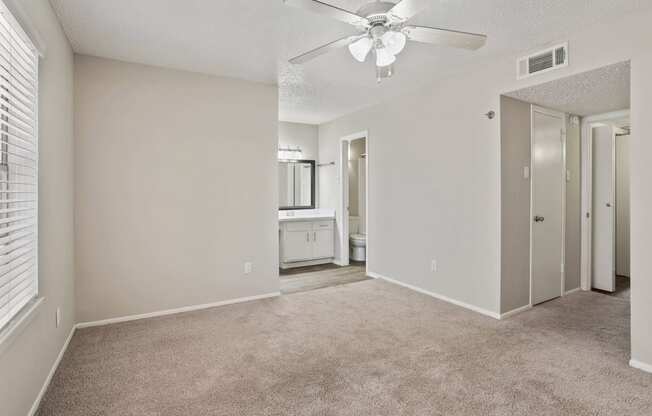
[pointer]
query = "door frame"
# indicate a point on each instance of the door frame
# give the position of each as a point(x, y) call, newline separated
point(564, 117)
point(587, 191)
point(343, 173)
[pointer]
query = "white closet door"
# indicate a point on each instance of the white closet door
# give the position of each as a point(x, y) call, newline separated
point(547, 204)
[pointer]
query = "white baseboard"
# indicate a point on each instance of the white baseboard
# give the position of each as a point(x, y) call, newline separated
point(437, 296)
point(515, 311)
point(568, 292)
point(48, 379)
point(174, 311)
point(640, 365)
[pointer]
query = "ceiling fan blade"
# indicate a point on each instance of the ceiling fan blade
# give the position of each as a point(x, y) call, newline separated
point(328, 10)
point(445, 37)
point(340, 43)
point(406, 9)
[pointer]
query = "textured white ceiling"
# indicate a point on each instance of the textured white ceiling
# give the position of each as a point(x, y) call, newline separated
point(253, 40)
point(594, 92)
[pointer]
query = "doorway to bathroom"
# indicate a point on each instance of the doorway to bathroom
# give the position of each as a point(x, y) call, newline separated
point(353, 190)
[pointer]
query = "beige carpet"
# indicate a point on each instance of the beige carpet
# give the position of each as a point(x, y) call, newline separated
point(367, 348)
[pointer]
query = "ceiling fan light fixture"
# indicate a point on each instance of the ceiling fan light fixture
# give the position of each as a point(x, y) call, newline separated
point(361, 48)
point(384, 57)
point(394, 41)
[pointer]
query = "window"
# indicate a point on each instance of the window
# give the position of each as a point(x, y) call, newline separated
point(18, 168)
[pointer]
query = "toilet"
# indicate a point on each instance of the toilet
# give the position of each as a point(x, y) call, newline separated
point(357, 240)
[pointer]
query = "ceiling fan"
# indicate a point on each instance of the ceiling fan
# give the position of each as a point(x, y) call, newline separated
point(383, 30)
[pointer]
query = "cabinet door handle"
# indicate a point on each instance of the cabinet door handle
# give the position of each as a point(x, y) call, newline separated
point(314, 235)
point(307, 237)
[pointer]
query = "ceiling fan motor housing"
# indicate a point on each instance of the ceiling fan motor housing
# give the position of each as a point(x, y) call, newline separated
point(375, 8)
point(378, 31)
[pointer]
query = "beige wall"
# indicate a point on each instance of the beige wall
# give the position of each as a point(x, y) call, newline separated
point(176, 187)
point(27, 358)
point(515, 154)
point(302, 135)
point(433, 193)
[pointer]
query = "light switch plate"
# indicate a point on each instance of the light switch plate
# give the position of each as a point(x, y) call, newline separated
point(248, 267)
point(526, 172)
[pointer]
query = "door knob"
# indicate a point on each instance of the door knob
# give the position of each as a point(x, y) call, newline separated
point(608, 204)
point(539, 219)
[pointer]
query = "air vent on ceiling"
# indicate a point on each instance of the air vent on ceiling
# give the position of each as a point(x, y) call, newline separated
point(543, 61)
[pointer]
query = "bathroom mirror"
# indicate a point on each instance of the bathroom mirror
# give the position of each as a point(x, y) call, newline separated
point(296, 184)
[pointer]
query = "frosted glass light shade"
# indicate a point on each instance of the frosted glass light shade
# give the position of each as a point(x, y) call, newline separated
point(384, 58)
point(394, 41)
point(360, 48)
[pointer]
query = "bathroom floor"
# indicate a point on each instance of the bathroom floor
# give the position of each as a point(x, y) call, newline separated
point(623, 289)
point(307, 278)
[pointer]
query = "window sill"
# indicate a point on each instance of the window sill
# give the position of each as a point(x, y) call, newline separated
point(19, 323)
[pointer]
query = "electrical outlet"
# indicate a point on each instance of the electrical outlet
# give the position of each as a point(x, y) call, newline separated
point(58, 317)
point(248, 267)
point(433, 266)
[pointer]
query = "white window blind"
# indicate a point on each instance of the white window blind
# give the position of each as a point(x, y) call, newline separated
point(18, 168)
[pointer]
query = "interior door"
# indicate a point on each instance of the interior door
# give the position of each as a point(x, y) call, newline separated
point(548, 129)
point(603, 228)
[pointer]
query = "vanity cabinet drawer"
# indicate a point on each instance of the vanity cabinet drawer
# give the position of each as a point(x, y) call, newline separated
point(298, 226)
point(322, 225)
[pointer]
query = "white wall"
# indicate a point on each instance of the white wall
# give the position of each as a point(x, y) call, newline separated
point(27, 358)
point(515, 146)
point(437, 151)
point(433, 191)
point(302, 135)
point(641, 205)
point(176, 180)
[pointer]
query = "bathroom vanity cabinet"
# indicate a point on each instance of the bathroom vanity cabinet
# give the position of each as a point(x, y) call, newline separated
point(306, 242)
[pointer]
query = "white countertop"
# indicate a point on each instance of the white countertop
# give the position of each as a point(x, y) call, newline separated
point(306, 215)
